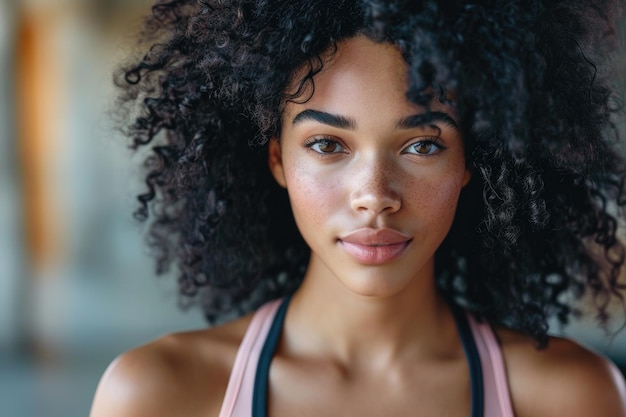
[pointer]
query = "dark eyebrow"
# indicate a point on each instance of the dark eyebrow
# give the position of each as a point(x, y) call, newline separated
point(430, 118)
point(324, 118)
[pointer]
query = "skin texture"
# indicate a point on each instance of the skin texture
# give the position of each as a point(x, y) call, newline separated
point(373, 177)
point(372, 337)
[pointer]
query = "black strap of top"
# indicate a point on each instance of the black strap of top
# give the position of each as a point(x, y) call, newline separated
point(259, 397)
point(473, 360)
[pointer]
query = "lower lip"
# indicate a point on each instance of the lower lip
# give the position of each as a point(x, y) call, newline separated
point(374, 255)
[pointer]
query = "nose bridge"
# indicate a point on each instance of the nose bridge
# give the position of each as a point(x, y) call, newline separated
point(376, 184)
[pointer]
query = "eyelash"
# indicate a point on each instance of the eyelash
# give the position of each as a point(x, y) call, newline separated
point(325, 141)
point(322, 140)
point(435, 141)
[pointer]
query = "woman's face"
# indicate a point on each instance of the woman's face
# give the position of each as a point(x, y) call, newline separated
point(373, 179)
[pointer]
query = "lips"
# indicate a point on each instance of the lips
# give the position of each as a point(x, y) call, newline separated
point(375, 246)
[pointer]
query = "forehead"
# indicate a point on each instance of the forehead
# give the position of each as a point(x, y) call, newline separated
point(362, 76)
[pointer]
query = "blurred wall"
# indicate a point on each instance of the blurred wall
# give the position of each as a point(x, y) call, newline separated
point(10, 235)
point(74, 273)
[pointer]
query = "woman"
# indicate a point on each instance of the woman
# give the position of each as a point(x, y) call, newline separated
point(453, 184)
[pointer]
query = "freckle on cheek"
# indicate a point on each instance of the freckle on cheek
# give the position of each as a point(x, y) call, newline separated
point(308, 199)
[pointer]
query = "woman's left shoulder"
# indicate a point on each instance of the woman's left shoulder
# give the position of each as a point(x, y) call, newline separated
point(563, 379)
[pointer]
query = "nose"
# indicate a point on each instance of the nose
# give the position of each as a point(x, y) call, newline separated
point(375, 188)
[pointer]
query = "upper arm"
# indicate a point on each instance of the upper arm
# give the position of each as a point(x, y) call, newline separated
point(179, 375)
point(183, 374)
point(592, 387)
point(135, 385)
point(564, 379)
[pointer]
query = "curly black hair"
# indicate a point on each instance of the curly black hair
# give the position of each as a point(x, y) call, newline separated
point(536, 224)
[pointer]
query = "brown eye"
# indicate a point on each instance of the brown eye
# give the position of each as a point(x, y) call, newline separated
point(325, 146)
point(424, 147)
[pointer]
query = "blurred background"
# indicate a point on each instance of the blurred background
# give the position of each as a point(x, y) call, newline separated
point(76, 284)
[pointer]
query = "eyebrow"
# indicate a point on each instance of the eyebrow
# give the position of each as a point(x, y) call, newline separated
point(429, 118)
point(341, 122)
point(333, 120)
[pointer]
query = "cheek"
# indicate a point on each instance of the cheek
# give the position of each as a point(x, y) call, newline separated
point(433, 199)
point(314, 195)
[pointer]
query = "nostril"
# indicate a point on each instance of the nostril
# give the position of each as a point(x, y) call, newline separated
point(374, 185)
point(376, 203)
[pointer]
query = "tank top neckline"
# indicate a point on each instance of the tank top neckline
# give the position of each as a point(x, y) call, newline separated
point(259, 398)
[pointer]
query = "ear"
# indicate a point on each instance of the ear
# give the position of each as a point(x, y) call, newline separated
point(275, 162)
point(467, 177)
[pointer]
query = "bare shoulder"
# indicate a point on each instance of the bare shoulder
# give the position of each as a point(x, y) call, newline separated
point(564, 379)
point(183, 374)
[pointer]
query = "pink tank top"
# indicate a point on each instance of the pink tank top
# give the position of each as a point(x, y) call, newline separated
point(238, 401)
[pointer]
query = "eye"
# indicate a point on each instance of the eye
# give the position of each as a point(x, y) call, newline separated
point(425, 147)
point(325, 146)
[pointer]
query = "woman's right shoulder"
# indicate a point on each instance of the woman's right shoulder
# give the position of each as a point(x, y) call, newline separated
point(178, 374)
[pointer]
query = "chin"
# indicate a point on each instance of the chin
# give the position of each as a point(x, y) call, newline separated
point(376, 286)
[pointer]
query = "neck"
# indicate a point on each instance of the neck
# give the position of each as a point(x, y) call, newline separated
point(328, 319)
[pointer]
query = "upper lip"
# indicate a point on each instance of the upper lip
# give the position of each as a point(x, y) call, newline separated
point(375, 237)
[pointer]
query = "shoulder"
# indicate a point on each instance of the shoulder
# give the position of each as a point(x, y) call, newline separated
point(178, 374)
point(564, 379)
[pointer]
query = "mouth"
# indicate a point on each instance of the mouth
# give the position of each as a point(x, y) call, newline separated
point(375, 246)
